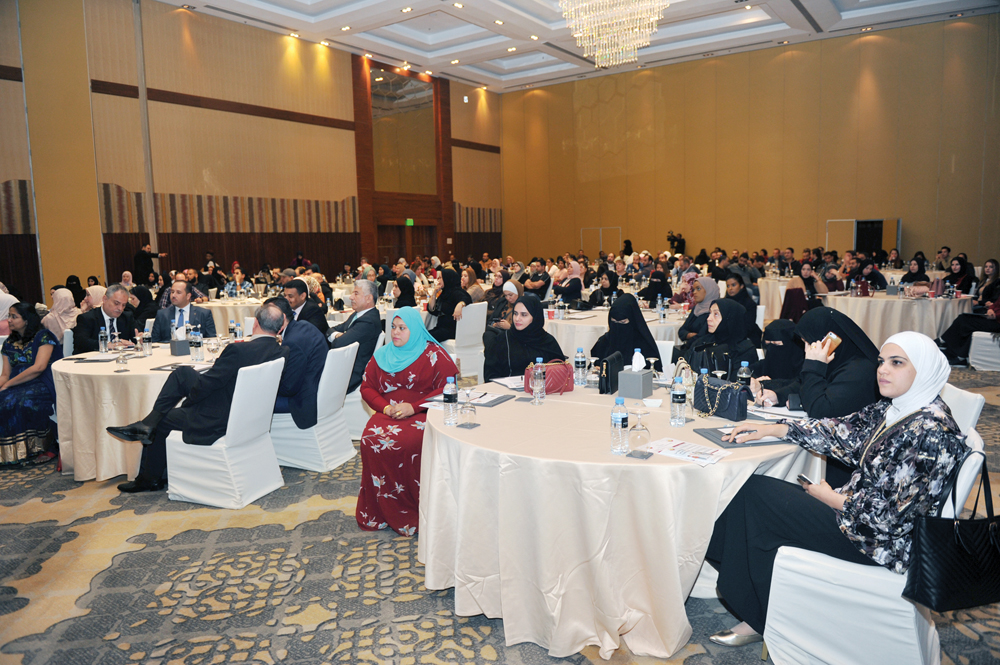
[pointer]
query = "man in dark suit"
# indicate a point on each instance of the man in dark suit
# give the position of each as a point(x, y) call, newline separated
point(181, 312)
point(142, 263)
point(307, 349)
point(297, 294)
point(363, 327)
point(208, 397)
point(111, 316)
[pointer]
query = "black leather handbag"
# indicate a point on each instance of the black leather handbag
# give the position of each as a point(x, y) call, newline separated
point(610, 367)
point(715, 397)
point(955, 563)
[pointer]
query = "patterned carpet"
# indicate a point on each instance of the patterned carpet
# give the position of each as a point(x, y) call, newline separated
point(91, 576)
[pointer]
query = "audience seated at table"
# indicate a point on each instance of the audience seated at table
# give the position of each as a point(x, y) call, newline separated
point(536, 280)
point(6, 302)
point(510, 351)
point(658, 286)
point(182, 312)
point(27, 395)
point(571, 286)
point(704, 291)
point(726, 345)
point(307, 349)
point(93, 296)
point(471, 286)
point(401, 376)
point(989, 289)
point(783, 352)
point(144, 308)
point(870, 273)
point(208, 399)
point(63, 314)
point(957, 339)
point(363, 326)
point(737, 292)
point(607, 289)
point(110, 314)
point(908, 444)
point(914, 273)
point(239, 282)
point(297, 294)
point(959, 276)
point(447, 303)
point(502, 315)
point(894, 260)
point(403, 292)
point(73, 284)
point(627, 331)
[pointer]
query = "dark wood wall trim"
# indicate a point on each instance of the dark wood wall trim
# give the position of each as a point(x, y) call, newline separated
point(472, 145)
point(182, 99)
point(19, 266)
point(397, 205)
point(8, 73)
point(364, 152)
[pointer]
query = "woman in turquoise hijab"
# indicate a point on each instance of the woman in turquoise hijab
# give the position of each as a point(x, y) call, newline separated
point(401, 376)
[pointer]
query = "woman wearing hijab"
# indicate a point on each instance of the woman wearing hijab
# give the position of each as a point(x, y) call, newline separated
point(495, 295)
point(831, 279)
point(704, 291)
point(908, 445)
point(627, 331)
point(145, 307)
point(403, 292)
point(383, 277)
point(736, 291)
point(683, 295)
point(959, 276)
point(73, 284)
point(608, 290)
point(502, 316)
point(871, 274)
point(957, 339)
point(63, 314)
point(93, 281)
point(400, 377)
point(658, 286)
point(915, 273)
point(471, 285)
point(783, 353)
point(571, 288)
point(509, 352)
point(6, 302)
point(447, 304)
point(726, 345)
point(93, 298)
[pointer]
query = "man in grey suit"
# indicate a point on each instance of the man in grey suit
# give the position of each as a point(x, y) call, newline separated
point(363, 327)
point(181, 312)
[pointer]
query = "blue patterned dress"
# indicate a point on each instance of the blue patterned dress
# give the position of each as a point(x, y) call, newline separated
point(25, 428)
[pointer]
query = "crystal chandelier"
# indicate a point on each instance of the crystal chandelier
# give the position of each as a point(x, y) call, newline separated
point(612, 31)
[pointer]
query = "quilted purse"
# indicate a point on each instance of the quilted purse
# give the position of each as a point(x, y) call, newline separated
point(715, 397)
point(609, 369)
point(558, 377)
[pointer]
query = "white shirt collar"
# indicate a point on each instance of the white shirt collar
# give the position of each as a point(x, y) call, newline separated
point(298, 309)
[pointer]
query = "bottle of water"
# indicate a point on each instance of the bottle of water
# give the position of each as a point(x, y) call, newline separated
point(450, 403)
point(661, 313)
point(560, 308)
point(538, 382)
point(102, 340)
point(619, 427)
point(743, 375)
point(638, 361)
point(239, 332)
point(232, 329)
point(579, 368)
point(854, 288)
point(195, 343)
point(678, 403)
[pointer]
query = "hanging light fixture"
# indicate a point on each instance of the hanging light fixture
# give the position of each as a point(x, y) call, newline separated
point(612, 31)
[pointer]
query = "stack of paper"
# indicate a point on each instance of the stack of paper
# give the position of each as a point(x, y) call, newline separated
point(689, 452)
point(511, 382)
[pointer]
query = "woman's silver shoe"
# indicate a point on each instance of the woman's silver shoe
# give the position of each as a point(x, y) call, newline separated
point(728, 638)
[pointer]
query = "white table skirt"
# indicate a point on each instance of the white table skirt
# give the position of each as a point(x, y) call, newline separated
point(882, 316)
point(532, 519)
point(224, 311)
point(772, 296)
point(90, 397)
point(572, 334)
point(931, 274)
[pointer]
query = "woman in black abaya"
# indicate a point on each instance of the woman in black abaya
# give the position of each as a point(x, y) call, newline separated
point(627, 331)
point(509, 352)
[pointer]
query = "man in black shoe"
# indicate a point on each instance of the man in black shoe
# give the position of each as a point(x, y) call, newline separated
point(205, 414)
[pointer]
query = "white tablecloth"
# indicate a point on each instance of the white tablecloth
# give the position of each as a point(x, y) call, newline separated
point(881, 316)
point(898, 274)
point(584, 333)
point(90, 397)
point(772, 295)
point(224, 311)
point(532, 519)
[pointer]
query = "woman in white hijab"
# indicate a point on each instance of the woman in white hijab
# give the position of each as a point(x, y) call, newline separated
point(63, 314)
point(6, 300)
point(93, 299)
point(903, 449)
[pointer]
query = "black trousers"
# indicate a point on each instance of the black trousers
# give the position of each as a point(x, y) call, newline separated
point(764, 515)
point(166, 418)
point(958, 338)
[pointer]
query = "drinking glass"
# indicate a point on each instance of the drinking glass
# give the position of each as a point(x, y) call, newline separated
point(147, 344)
point(467, 414)
point(593, 374)
point(638, 435)
point(122, 360)
point(212, 346)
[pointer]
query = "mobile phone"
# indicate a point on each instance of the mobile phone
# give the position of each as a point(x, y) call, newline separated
point(640, 454)
point(803, 478)
point(834, 341)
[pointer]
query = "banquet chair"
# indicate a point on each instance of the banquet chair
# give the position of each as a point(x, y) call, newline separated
point(825, 610)
point(356, 412)
point(248, 325)
point(212, 293)
point(666, 351)
point(327, 444)
point(548, 292)
point(468, 343)
point(760, 316)
point(3, 338)
point(965, 406)
point(241, 466)
point(67, 342)
point(984, 353)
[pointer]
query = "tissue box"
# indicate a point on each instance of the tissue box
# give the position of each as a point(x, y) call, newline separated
point(892, 290)
point(635, 385)
point(180, 347)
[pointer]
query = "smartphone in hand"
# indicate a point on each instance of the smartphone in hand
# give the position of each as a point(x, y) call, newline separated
point(803, 478)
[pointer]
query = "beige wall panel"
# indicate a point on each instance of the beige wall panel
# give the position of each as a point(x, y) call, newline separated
point(612, 126)
point(989, 230)
point(669, 143)
point(478, 119)
point(14, 163)
point(10, 44)
point(202, 55)
point(878, 124)
point(766, 144)
point(587, 136)
point(196, 151)
point(732, 89)
point(699, 150)
point(111, 41)
point(922, 71)
point(839, 129)
point(801, 222)
point(476, 178)
point(404, 152)
point(640, 185)
point(118, 142)
point(562, 151)
point(539, 216)
point(962, 143)
point(512, 156)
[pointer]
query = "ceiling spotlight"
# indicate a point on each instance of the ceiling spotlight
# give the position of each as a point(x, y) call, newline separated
point(952, 16)
point(454, 62)
point(639, 66)
point(458, 5)
point(428, 72)
point(511, 49)
point(868, 29)
point(498, 22)
point(484, 87)
point(368, 55)
point(406, 10)
point(784, 42)
point(534, 38)
point(325, 43)
point(345, 28)
point(380, 78)
point(749, 7)
point(190, 7)
point(295, 34)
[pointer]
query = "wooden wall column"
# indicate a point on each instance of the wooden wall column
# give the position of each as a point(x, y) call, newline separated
point(364, 151)
point(442, 143)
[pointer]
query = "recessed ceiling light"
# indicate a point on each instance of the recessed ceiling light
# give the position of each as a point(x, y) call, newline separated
point(749, 7)
point(868, 29)
point(511, 49)
point(639, 66)
point(784, 42)
point(406, 67)
point(484, 87)
point(346, 28)
point(498, 22)
point(325, 43)
point(534, 38)
point(190, 7)
point(406, 10)
point(428, 72)
point(368, 55)
point(952, 16)
point(380, 78)
point(295, 34)
point(454, 62)
point(459, 5)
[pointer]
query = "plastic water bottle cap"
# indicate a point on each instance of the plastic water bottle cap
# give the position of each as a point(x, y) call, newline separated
point(103, 328)
point(704, 370)
point(745, 363)
point(638, 350)
point(579, 349)
point(619, 400)
point(538, 360)
point(450, 379)
point(678, 379)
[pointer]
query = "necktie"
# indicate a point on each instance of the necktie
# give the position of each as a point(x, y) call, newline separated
point(354, 317)
point(112, 329)
point(180, 319)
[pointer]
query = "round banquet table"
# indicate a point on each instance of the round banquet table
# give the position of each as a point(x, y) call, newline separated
point(92, 396)
point(574, 333)
point(224, 311)
point(532, 519)
point(882, 316)
point(898, 274)
point(772, 295)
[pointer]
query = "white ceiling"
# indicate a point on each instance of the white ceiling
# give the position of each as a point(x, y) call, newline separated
point(506, 57)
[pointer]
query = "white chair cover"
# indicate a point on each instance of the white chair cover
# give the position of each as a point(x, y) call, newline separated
point(67, 342)
point(212, 293)
point(240, 467)
point(824, 610)
point(248, 322)
point(356, 411)
point(468, 343)
point(760, 316)
point(965, 406)
point(984, 354)
point(666, 351)
point(327, 444)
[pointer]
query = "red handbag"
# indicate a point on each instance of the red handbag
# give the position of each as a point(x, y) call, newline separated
point(558, 378)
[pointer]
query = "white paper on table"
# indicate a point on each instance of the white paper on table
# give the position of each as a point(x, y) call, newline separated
point(511, 382)
point(689, 452)
point(766, 439)
point(776, 412)
point(105, 356)
point(433, 405)
point(577, 317)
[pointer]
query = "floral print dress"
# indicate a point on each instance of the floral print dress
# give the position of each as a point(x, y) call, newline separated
point(26, 429)
point(390, 448)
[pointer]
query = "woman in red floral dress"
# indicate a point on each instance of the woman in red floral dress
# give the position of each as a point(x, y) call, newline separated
point(400, 377)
